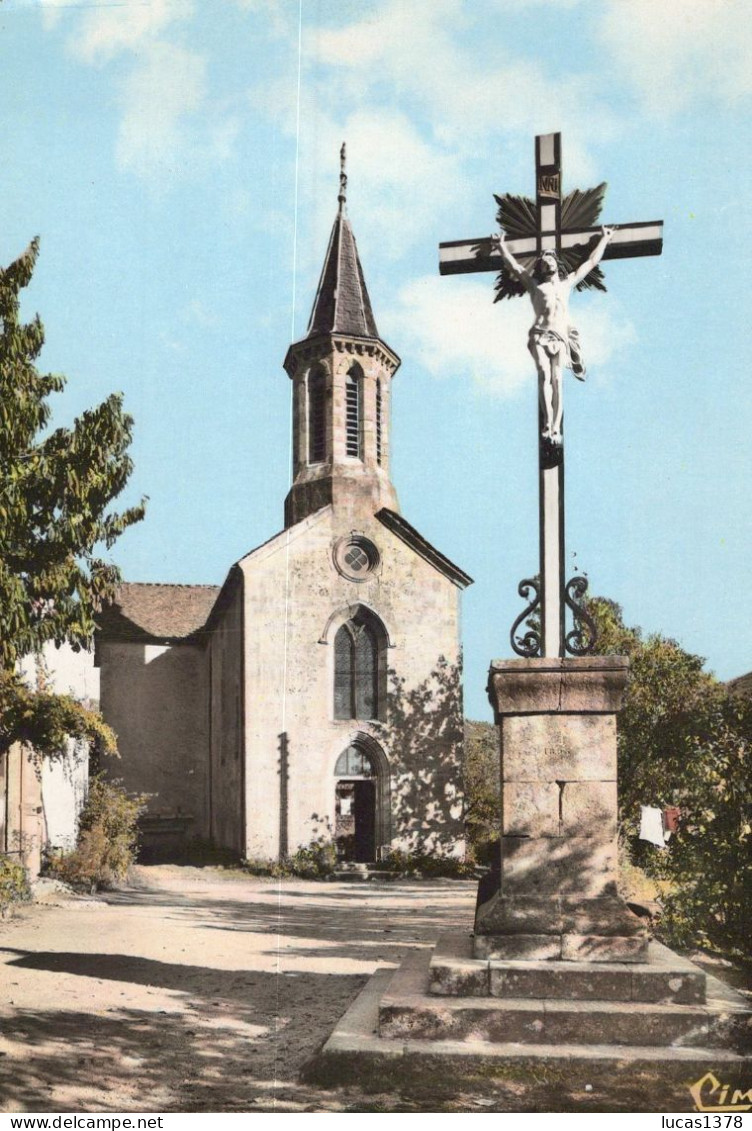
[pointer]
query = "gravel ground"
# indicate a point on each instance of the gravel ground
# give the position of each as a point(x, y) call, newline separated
point(198, 989)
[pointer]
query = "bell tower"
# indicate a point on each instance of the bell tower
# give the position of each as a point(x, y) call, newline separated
point(342, 373)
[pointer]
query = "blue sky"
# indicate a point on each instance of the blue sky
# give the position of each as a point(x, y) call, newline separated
point(180, 161)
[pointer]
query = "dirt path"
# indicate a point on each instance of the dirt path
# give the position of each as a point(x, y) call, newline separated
point(199, 990)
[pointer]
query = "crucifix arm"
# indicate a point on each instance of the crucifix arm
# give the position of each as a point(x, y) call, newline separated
point(595, 257)
point(515, 267)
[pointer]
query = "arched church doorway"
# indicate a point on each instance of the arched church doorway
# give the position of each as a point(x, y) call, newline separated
point(357, 805)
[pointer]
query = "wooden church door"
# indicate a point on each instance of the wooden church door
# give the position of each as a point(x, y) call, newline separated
point(355, 807)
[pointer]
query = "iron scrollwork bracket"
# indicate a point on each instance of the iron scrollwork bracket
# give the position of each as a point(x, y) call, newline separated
point(584, 635)
point(530, 644)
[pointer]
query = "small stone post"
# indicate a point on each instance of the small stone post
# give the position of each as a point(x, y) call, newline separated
point(557, 896)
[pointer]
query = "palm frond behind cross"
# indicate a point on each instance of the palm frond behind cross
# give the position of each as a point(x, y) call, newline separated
point(518, 216)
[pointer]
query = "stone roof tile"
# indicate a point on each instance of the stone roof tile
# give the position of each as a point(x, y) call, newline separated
point(145, 611)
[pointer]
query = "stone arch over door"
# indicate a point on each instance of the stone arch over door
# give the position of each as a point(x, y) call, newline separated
point(362, 788)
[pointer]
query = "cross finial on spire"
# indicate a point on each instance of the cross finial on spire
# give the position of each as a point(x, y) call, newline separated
point(342, 178)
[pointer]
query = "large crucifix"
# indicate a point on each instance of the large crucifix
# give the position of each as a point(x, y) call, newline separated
point(554, 249)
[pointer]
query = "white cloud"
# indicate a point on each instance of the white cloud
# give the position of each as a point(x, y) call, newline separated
point(164, 86)
point(393, 34)
point(52, 11)
point(405, 83)
point(397, 179)
point(399, 182)
point(280, 16)
point(456, 330)
point(680, 51)
point(108, 29)
point(417, 48)
point(419, 108)
point(164, 129)
point(605, 332)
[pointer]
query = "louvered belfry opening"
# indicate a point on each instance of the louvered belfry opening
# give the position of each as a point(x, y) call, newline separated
point(353, 411)
point(316, 416)
point(356, 670)
point(378, 421)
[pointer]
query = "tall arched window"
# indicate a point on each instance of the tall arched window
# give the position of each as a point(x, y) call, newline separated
point(353, 410)
point(316, 416)
point(357, 669)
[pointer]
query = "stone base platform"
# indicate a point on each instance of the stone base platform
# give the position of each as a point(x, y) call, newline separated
point(449, 1016)
point(662, 978)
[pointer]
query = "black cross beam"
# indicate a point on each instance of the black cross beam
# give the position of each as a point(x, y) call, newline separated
point(462, 257)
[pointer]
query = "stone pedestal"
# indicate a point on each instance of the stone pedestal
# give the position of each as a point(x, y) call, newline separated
point(557, 897)
point(558, 973)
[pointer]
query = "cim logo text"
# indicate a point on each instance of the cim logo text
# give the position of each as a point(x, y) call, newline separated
point(710, 1094)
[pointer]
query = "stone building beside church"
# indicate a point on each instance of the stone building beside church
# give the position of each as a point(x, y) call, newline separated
point(318, 691)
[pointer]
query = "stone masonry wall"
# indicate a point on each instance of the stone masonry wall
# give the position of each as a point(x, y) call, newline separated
point(226, 724)
point(155, 697)
point(295, 600)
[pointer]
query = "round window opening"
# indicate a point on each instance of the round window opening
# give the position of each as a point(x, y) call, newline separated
point(355, 557)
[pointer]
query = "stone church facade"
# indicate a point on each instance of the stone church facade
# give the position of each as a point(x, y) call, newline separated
point(318, 691)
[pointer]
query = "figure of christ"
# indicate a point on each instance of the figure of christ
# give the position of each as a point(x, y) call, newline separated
point(553, 343)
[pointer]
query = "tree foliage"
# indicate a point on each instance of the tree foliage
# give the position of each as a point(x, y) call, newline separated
point(482, 787)
point(684, 739)
point(55, 490)
point(46, 721)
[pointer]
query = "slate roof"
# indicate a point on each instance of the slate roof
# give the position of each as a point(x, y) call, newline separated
point(158, 613)
point(342, 305)
point(402, 528)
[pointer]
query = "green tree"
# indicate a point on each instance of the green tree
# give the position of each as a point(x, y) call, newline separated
point(685, 740)
point(55, 490)
point(482, 775)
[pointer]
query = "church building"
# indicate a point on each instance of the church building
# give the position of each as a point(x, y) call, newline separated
point(317, 693)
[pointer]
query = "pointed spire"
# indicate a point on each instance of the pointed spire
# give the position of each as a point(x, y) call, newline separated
point(342, 305)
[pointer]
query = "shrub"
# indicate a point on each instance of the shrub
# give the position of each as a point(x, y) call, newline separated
point(262, 866)
point(315, 861)
point(107, 838)
point(14, 886)
point(428, 864)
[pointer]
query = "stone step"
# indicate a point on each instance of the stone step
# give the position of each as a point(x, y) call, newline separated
point(664, 977)
point(408, 1012)
point(356, 1054)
